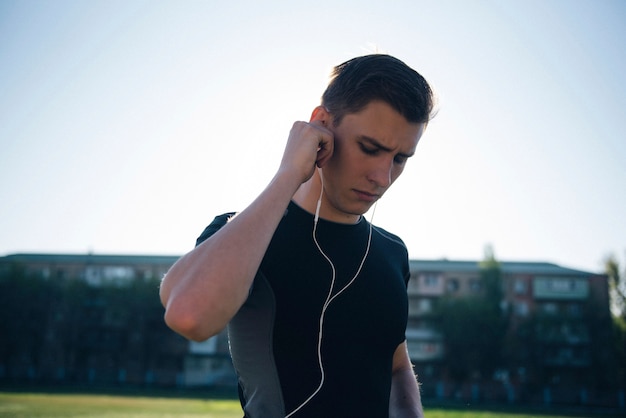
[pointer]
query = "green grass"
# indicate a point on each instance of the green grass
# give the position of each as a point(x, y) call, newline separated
point(30, 405)
point(40, 405)
point(477, 413)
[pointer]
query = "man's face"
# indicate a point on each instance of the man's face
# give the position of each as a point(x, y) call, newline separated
point(370, 151)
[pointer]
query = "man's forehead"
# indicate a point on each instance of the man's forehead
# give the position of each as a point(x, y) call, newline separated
point(407, 150)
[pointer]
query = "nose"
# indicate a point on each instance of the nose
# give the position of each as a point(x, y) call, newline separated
point(381, 173)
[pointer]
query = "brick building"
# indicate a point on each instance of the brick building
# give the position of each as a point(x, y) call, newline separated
point(110, 338)
point(558, 325)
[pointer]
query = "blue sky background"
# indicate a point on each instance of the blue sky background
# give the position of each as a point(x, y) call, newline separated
point(125, 126)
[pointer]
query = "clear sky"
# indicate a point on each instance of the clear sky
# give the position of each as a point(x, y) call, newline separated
point(126, 126)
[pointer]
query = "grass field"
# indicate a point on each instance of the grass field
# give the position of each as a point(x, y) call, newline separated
point(40, 405)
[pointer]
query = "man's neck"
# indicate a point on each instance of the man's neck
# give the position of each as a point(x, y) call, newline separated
point(307, 196)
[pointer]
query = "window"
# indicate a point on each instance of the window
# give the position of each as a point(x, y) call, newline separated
point(521, 308)
point(519, 287)
point(550, 308)
point(117, 272)
point(425, 305)
point(431, 280)
point(574, 309)
point(562, 285)
point(204, 347)
point(452, 285)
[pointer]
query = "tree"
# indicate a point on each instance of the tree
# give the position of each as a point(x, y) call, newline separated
point(617, 289)
point(25, 302)
point(491, 277)
point(474, 326)
point(68, 330)
point(617, 286)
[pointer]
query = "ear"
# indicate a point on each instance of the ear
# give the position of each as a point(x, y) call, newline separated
point(320, 114)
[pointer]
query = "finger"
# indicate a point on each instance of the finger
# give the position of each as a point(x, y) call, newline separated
point(325, 151)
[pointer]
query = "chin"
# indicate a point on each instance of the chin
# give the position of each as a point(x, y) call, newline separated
point(362, 209)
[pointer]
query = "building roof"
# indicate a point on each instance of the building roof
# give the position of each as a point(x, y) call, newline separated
point(107, 259)
point(508, 267)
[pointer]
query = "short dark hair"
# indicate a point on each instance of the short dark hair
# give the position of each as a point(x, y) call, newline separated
point(357, 82)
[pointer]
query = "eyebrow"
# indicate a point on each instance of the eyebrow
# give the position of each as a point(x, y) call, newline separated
point(382, 147)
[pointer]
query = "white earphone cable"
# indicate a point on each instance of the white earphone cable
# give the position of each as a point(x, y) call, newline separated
point(330, 296)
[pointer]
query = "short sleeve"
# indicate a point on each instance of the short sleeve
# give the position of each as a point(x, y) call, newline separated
point(214, 226)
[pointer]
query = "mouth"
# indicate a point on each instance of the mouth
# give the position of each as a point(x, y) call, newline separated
point(366, 196)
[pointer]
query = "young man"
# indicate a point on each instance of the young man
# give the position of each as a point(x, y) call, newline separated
point(313, 295)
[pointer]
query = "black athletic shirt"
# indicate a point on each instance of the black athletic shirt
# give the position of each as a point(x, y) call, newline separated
point(274, 336)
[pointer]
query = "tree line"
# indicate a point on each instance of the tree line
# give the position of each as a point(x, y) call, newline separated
point(66, 330)
point(484, 341)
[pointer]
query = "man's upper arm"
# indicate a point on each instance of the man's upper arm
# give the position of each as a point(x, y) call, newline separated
point(401, 358)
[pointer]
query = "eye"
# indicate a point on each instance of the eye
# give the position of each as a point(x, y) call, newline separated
point(400, 159)
point(368, 150)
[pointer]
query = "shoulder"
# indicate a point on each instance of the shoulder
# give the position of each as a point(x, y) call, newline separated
point(388, 237)
point(393, 249)
point(214, 226)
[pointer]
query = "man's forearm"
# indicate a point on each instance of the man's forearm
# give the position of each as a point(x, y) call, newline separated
point(405, 400)
point(206, 287)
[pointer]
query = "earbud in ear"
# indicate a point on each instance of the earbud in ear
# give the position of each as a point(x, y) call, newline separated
point(319, 201)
